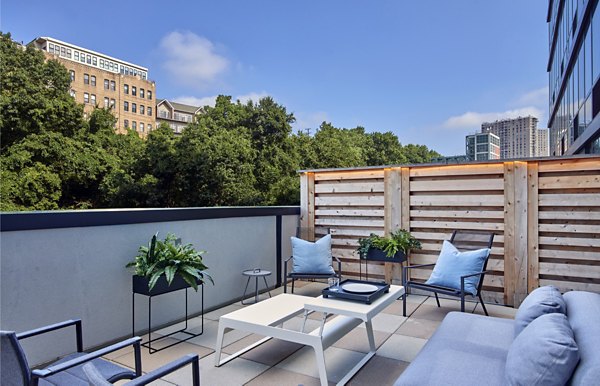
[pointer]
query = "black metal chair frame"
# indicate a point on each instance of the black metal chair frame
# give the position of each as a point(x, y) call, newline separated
point(53, 369)
point(310, 276)
point(446, 290)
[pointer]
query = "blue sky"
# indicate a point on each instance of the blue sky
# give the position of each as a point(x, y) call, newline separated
point(430, 71)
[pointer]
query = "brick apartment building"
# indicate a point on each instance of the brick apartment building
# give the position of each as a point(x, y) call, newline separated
point(98, 80)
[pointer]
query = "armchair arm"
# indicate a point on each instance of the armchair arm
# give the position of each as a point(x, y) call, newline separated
point(169, 368)
point(51, 370)
point(54, 327)
point(462, 279)
point(405, 271)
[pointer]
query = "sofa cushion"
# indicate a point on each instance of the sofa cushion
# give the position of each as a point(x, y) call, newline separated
point(583, 312)
point(452, 264)
point(543, 300)
point(466, 349)
point(312, 257)
point(544, 353)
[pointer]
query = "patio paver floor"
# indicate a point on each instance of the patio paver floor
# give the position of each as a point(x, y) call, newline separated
point(398, 339)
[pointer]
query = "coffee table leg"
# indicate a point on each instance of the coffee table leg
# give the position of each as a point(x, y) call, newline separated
point(321, 365)
point(369, 326)
point(220, 334)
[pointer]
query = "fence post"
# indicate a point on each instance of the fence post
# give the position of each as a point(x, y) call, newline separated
point(509, 233)
point(392, 210)
point(307, 204)
point(533, 274)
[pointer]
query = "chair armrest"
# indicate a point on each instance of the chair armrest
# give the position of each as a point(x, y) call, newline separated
point(474, 274)
point(53, 369)
point(419, 266)
point(169, 368)
point(54, 327)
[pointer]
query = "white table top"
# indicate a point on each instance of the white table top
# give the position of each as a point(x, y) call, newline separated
point(270, 312)
point(354, 309)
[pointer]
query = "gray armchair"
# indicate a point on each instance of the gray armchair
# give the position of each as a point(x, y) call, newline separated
point(15, 370)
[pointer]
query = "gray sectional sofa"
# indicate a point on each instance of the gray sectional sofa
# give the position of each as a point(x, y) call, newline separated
point(554, 339)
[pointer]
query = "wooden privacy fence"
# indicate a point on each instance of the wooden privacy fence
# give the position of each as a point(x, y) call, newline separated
point(545, 214)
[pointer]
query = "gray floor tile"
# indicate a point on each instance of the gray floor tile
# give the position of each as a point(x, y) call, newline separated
point(402, 348)
point(418, 328)
point(379, 371)
point(214, 315)
point(280, 377)
point(269, 353)
point(356, 340)
point(386, 322)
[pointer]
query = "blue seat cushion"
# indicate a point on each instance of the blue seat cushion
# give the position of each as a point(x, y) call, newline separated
point(544, 353)
point(312, 258)
point(583, 312)
point(452, 264)
point(543, 300)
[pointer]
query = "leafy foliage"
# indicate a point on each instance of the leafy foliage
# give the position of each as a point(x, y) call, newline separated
point(169, 257)
point(232, 154)
point(399, 240)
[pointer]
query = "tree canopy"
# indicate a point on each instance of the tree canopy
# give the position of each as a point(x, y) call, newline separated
point(232, 154)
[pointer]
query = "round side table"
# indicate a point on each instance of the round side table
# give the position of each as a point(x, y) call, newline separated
point(255, 273)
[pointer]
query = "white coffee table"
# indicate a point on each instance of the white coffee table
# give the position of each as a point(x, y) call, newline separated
point(267, 318)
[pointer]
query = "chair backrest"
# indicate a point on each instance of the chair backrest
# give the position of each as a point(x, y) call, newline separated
point(473, 240)
point(14, 369)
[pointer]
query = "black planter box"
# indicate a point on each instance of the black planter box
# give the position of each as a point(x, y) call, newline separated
point(379, 255)
point(140, 285)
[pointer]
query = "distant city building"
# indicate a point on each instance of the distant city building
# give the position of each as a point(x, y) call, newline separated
point(574, 67)
point(98, 80)
point(176, 115)
point(518, 137)
point(453, 159)
point(483, 146)
point(543, 145)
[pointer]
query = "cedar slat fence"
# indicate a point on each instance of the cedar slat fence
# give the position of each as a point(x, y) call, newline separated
point(545, 214)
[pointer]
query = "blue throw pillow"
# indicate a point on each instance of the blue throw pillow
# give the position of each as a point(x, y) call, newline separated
point(452, 264)
point(544, 353)
point(312, 257)
point(543, 300)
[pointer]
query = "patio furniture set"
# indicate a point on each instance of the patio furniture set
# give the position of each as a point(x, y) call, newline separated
point(554, 338)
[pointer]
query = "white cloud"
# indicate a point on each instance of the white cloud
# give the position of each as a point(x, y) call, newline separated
point(194, 101)
point(253, 96)
point(310, 120)
point(211, 100)
point(192, 59)
point(538, 98)
point(473, 120)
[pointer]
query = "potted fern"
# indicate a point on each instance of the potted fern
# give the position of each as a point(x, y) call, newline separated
point(167, 265)
point(393, 248)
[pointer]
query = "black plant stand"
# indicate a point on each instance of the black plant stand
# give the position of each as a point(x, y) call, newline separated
point(379, 256)
point(159, 290)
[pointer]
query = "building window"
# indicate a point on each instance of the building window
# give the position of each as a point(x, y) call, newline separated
point(126, 106)
point(69, 53)
point(133, 90)
point(150, 110)
point(106, 84)
point(141, 93)
point(141, 127)
point(112, 85)
point(72, 93)
point(126, 88)
point(86, 79)
point(112, 103)
point(72, 75)
point(133, 108)
point(82, 58)
point(88, 59)
point(63, 51)
point(149, 127)
point(126, 123)
point(149, 94)
point(93, 99)
point(142, 110)
point(95, 61)
point(76, 55)
point(106, 102)
point(93, 80)
point(86, 97)
point(133, 125)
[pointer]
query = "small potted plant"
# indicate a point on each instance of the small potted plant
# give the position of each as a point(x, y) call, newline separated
point(393, 248)
point(167, 265)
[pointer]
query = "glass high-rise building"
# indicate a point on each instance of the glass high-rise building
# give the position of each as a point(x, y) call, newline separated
point(574, 69)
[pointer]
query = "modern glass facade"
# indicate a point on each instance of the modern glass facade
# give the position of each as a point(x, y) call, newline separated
point(482, 147)
point(574, 71)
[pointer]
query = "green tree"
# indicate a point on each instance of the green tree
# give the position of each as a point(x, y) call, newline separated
point(34, 96)
point(384, 149)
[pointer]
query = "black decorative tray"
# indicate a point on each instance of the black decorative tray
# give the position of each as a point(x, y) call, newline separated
point(366, 298)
